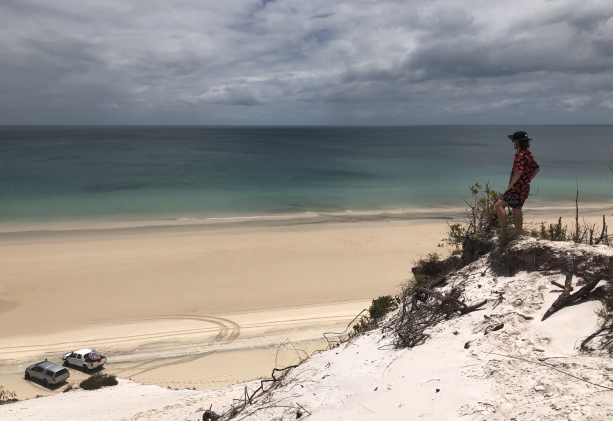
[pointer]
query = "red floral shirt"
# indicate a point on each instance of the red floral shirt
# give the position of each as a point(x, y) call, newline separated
point(524, 161)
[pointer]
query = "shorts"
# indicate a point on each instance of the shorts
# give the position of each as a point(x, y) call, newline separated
point(516, 199)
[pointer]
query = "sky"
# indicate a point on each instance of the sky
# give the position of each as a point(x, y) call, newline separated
point(297, 62)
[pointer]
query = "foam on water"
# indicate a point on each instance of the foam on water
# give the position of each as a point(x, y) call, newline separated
point(59, 174)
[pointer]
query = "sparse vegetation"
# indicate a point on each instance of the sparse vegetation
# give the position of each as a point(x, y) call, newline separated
point(6, 396)
point(480, 219)
point(507, 237)
point(378, 309)
point(363, 325)
point(581, 233)
point(605, 326)
point(471, 238)
point(97, 381)
point(383, 305)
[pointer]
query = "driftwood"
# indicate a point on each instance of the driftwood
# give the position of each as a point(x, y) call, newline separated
point(566, 297)
point(499, 300)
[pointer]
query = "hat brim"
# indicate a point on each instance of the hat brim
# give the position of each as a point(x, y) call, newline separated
point(511, 137)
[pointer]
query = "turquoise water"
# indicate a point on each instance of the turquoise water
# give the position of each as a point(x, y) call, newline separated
point(61, 173)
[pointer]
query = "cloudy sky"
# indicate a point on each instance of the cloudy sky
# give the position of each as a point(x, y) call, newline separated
point(306, 62)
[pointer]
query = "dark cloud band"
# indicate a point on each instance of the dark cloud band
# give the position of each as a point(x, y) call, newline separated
point(316, 62)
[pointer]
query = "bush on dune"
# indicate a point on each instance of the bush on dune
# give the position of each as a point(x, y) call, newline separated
point(473, 236)
point(476, 235)
point(6, 396)
point(97, 381)
point(377, 310)
point(383, 305)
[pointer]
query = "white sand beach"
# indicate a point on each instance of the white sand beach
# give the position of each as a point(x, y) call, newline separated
point(199, 310)
point(528, 369)
point(144, 297)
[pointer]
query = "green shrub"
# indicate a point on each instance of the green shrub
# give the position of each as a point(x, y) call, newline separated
point(421, 279)
point(480, 219)
point(97, 381)
point(383, 305)
point(429, 259)
point(379, 308)
point(363, 325)
point(507, 237)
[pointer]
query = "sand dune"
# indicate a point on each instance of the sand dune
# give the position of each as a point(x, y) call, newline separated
point(159, 303)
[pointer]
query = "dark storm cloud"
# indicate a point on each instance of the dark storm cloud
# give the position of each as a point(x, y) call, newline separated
point(290, 61)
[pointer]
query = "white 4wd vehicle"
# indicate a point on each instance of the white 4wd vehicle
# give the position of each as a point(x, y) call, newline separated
point(88, 359)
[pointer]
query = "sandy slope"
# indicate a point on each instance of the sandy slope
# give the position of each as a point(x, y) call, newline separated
point(154, 315)
point(126, 400)
point(441, 380)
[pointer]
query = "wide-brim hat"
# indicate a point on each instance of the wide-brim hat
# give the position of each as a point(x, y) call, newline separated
point(519, 136)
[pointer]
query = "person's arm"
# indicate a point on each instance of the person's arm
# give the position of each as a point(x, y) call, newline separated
point(516, 176)
point(535, 172)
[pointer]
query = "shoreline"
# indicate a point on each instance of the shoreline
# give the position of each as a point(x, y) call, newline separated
point(84, 229)
point(214, 223)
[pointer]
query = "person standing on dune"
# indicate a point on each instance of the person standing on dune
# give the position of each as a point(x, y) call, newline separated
point(524, 170)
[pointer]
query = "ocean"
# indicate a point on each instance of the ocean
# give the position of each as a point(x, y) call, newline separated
point(51, 174)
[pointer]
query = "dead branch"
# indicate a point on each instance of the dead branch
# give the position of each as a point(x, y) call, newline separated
point(499, 300)
point(559, 285)
point(563, 300)
point(343, 332)
point(566, 297)
point(474, 307)
point(584, 347)
point(423, 308)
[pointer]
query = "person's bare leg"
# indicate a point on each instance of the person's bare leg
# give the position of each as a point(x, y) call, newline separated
point(502, 216)
point(519, 219)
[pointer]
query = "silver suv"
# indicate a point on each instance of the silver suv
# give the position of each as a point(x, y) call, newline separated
point(47, 372)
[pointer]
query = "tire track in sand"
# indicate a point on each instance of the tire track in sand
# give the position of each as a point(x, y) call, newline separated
point(228, 332)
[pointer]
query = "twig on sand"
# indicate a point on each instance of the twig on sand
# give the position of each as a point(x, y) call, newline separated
point(554, 368)
point(343, 332)
point(367, 408)
point(305, 410)
point(387, 366)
